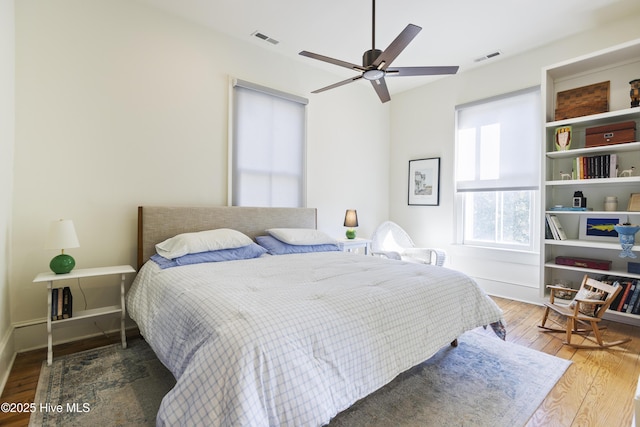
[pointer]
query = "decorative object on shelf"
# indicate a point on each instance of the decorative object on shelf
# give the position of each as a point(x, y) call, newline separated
point(62, 235)
point(592, 263)
point(634, 202)
point(582, 101)
point(599, 227)
point(633, 267)
point(351, 221)
point(635, 92)
point(611, 134)
point(569, 208)
point(611, 203)
point(627, 172)
point(424, 182)
point(563, 294)
point(563, 138)
point(627, 234)
point(564, 176)
point(579, 201)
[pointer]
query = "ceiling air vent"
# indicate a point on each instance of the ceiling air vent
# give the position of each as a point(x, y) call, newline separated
point(264, 37)
point(488, 56)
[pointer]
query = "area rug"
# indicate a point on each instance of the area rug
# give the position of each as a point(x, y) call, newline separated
point(482, 382)
point(106, 386)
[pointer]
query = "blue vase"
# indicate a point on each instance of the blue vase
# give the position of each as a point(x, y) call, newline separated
point(627, 236)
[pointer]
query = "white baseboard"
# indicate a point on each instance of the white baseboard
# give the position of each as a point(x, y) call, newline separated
point(510, 291)
point(7, 356)
point(33, 335)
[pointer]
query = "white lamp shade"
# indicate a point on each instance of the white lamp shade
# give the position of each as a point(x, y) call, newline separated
point(62, 235)
point(351, 218)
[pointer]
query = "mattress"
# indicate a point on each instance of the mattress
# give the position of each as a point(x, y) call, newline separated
point(292, 340)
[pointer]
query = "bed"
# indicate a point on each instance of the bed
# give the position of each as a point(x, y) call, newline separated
point(293, 339)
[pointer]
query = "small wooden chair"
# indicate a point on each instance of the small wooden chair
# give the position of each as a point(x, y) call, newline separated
point(587, 308)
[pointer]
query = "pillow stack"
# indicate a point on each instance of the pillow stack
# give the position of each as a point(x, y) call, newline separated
point(283, 241)
point(222, 244)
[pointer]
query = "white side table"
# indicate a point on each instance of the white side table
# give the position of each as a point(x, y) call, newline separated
point(348, 245)
point(80, 273)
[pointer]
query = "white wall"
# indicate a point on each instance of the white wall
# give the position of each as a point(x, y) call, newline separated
point(119, 105)
point(7, 135)
point(422, 125)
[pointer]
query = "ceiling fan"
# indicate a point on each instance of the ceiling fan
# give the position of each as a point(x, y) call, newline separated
point(375, 62)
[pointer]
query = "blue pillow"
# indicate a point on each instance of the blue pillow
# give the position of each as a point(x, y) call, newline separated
point(277, 247)
point(244, 252)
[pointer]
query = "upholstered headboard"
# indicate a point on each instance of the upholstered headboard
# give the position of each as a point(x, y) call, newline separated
point(158, 223)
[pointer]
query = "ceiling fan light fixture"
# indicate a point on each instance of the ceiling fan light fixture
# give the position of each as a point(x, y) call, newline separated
point(373, 74)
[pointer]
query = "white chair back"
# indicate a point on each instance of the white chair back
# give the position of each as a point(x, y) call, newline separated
point(389, 236)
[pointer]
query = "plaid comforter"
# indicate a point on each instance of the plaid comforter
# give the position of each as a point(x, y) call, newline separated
point(292, 340)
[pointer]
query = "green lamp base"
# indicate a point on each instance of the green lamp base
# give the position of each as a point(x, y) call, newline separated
point(351, 233)
point(62, 264)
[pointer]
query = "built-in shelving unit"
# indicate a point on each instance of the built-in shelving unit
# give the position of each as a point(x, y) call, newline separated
point(618, 65)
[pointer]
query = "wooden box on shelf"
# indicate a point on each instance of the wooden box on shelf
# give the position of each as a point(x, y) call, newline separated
point(596, 264)
point(615, 133)
point(582, 101)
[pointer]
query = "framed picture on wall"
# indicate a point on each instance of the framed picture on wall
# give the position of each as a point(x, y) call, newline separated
point(424, 182)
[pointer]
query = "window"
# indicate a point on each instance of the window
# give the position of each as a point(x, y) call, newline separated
point(498, 142)
point(267, 154)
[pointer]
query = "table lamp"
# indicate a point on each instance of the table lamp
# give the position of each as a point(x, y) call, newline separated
point(62, 235)
point(351, 221)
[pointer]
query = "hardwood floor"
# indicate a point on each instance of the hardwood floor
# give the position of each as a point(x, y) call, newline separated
point(597, 390)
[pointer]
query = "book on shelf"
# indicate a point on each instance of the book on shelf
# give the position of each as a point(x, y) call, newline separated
point(618, 303)
point(556, 227)
point(67, 303)
point(548, 234)
point(625, 298)
point(61, 303)
point(54, 304)
point(633, 297)
point(594, 167)
point(636, 306)
point(556, 222)
point(552, 229)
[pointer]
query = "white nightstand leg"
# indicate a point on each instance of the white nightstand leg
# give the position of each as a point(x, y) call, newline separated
point(49, 340)
point(123, 335)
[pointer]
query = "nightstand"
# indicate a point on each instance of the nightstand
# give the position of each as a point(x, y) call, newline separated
point(78, 274)
point(348, 245)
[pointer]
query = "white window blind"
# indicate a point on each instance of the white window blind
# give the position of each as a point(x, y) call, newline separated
point(268, 147)
point(498, 143)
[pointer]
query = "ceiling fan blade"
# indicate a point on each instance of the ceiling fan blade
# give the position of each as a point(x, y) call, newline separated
point(381, 89)
point(420, 71)
point(344, 82)
point(334, 61)
point(396, 46)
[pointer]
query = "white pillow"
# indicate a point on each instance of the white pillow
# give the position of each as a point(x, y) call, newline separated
point(301, 236)
point(202, 241)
